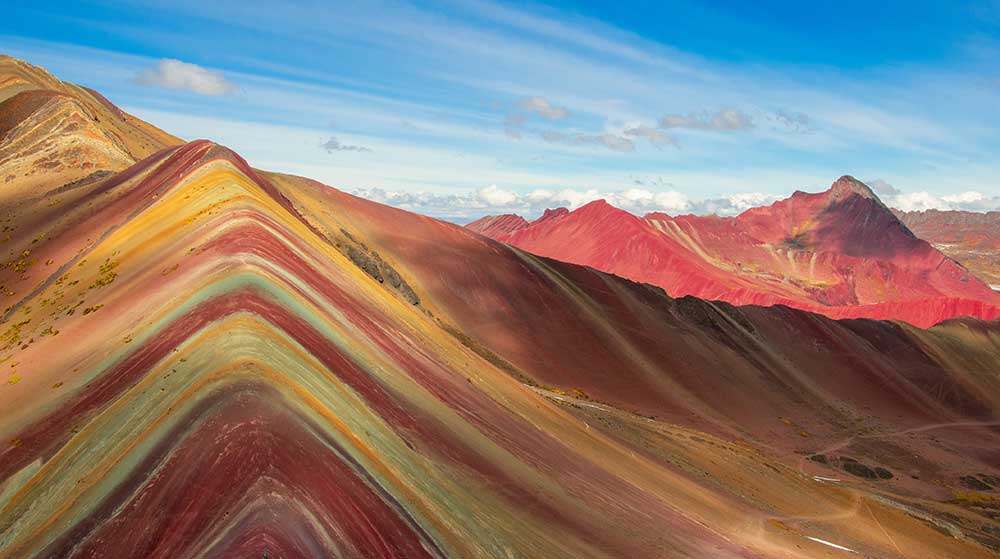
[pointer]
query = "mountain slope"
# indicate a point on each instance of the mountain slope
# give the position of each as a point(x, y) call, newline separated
point(971, 238)
point(206, 360)
point(840, 252)
point(53, 132)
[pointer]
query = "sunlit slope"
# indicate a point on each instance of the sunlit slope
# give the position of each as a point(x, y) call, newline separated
point(204, 361)
point(922, 402)
point(53, 133)
point(214, 378)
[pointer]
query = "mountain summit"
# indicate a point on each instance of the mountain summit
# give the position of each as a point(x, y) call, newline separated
point(848, 186)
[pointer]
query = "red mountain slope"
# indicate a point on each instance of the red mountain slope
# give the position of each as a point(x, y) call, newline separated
point(841, 253)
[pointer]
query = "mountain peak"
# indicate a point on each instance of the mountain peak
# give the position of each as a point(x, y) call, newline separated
point(598, 206)
point(600, 209)
point(493, 225)
point(848, 185)
point(551, 213)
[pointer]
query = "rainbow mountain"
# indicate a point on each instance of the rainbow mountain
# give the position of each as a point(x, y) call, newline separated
point(203, 359)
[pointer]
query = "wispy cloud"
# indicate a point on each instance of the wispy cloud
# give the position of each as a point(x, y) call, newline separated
point(725, 119)
point(538, 106)
point(791, 120)
point(333, 144)
point(788, 127)
point(655, 136)
point(513, 124)
point(543, 108)
point(174, 74)
point(614, 142)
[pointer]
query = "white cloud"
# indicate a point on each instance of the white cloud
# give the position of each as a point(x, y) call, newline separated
point(333, 144)
point(539, 196)
point(550, 58)
point(966, 198)
point(733, 204)
point(655, 136)
point(494, 200)
point(972, 201)
point(639, 201)
point(793, 121)
point(496, 196)
point(613, 142)
point(916, 201)
point(174, 74)
point(514, 123)
point(543, 108)
point(571, 198)
point(725, 119)
point(642, 201)
point(920, 200)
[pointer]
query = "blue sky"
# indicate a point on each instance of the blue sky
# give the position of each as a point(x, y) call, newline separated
point(466, 107)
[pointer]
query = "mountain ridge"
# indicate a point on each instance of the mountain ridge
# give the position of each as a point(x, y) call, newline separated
point(840, 252)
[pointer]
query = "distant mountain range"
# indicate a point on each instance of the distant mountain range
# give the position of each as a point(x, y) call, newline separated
point(971, 238)
point(204, 359)
point(841, 253)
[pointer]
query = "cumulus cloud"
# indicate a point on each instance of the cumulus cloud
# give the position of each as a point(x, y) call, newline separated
point(645, 194)
point(723, 120)
point(543, 108)
point(494, 196)
point(733, 204)
point(333, 144)
point(174, 74)
point(465, 207)
point(639, 200)
point(918, 201)
point(972, 200)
